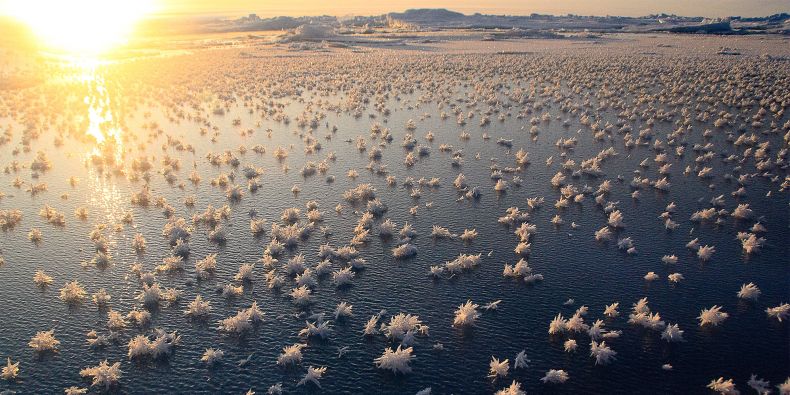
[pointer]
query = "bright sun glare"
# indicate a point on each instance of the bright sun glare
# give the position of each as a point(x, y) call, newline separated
point(80, 27)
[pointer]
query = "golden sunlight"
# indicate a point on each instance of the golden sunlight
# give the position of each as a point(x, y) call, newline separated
point(80, 27)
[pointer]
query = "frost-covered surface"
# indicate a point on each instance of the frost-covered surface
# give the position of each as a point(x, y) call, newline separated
point(252, 194)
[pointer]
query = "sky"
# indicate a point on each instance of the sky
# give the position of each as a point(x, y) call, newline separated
point(712, 8)
point(268, 8)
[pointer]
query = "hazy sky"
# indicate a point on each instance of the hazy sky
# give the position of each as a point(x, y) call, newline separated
point(583, 7)
point(267, 8)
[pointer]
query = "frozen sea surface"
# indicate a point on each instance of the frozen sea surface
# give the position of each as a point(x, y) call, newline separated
point(573, 264)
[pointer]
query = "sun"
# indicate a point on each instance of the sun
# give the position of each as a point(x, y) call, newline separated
point(80, 27)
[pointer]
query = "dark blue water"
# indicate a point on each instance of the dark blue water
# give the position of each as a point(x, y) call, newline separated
point(573, 263)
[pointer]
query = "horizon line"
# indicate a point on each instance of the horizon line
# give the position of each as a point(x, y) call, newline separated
point(275, 14)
